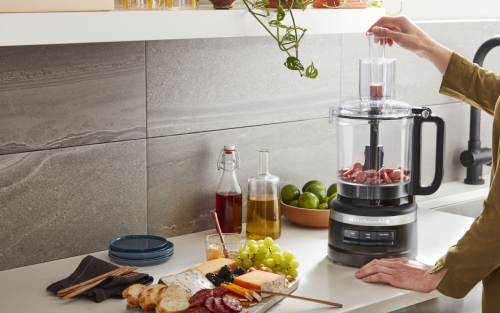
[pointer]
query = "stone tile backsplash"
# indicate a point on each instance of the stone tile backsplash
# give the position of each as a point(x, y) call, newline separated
point(77, 170)
point(71, 95)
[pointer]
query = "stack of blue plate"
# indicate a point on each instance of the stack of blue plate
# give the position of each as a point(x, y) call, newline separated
point(140, 250)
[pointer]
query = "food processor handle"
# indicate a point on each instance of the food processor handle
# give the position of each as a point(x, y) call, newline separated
point(421, 116)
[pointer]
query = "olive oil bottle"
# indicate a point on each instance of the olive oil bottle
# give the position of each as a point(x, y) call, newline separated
point(263, 202)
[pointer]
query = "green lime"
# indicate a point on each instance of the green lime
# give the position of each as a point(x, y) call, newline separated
point(319, 191)
point(331, 198)
point(289, 193)
point(294, 203)
point(315, 182)
point(323, 206)
point(332, 189)
point(308, 200)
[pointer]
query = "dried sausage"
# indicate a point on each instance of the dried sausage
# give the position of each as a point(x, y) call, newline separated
point(370, 173)
point(347, 178)
point(198, 309)
point(387, 180)
point(220, 307)
point(361, 177)
point(349, 171)
point(343, 170)
point(219, 291)
point(232, 303)
point(396, 175)
point(200, 297)
point(404, 170)
point(209, 304)
point(358, 165)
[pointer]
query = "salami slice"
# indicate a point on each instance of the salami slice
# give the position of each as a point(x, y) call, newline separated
point(199, 298)
point(220, 307)
point(361, 177)
point(370, 173)
point(349, 171)
point(199, 309)
point(232, 303)
point(357, 165)
point(210, 305)
point(387, 180)
point(396, 175)
point(219, 291)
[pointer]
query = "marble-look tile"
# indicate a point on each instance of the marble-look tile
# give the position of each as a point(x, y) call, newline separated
point(70, 95)
point(492, 61)
point(209, 84)
point(64, 202)
point(417, 80)
point(456, 117)
point(183, 177)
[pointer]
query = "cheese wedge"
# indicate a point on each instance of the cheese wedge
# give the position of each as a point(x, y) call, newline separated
point(214, 266)
point(263, 281)
point(191, 281)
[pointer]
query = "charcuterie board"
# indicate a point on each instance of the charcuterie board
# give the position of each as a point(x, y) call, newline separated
point(261, 307)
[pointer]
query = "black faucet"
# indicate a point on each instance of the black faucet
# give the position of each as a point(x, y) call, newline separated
point(475, 157)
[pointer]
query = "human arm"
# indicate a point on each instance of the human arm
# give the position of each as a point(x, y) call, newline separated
point(410, 37)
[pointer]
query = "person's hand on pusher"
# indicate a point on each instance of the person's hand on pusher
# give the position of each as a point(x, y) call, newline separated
point(405, 33)
point(402, 273)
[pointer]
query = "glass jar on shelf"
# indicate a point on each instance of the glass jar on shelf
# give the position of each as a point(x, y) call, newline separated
point(263, 202)
point(180, 4)
point(142, 4)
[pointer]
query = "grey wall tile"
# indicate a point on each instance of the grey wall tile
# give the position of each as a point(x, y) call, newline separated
point(208, 84)
point(64, 202)
point(492, 61)
point(456, 117)
point(69, 95)
point(183, 177)
point(417, 80)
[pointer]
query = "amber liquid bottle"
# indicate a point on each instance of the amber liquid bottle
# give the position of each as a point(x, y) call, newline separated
point(228, 200)
point(263, 202)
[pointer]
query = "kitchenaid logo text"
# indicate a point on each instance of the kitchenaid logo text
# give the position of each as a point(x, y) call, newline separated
point(380, 221)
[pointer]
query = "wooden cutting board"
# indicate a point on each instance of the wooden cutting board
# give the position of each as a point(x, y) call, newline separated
point(261, 307)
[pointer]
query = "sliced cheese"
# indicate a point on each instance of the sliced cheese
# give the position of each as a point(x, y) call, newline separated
point(191, 281)
point(263, 281)
point(214, 266)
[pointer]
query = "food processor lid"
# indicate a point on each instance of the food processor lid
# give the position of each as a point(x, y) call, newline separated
point(357, 108)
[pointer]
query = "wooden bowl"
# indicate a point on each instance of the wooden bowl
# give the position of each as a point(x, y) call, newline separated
point(306, 217)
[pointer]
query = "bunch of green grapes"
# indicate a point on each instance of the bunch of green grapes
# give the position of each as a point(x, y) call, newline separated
point(267, 253)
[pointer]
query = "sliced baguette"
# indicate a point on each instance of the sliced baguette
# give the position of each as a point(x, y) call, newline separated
point(170, 304)
point(173, 291)
point(132, 294)
point(147, 299)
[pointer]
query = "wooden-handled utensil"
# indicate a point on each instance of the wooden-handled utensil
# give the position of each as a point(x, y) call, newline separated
point(217, 226)
point(297, 297)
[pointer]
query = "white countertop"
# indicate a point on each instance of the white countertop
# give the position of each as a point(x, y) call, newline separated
point(21, 29)
point(23, 289)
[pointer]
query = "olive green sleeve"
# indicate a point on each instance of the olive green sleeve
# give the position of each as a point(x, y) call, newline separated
point(477, 253)
point(471, 84)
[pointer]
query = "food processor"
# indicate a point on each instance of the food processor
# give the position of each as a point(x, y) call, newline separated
point(379, 144)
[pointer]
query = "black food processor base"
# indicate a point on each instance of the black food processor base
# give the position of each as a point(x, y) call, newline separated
point(357, 236)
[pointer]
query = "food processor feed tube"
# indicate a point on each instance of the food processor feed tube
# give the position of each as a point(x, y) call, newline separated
point(379, 147)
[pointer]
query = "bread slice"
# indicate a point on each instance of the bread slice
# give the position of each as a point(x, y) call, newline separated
point(132, 294)
point(147, 299)
point(173, 291)
point(171, 304)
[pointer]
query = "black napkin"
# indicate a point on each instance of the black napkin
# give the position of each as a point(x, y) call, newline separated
point(91, 267)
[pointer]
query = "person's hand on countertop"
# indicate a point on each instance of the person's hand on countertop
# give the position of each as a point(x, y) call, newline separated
point(402, 273)
point(409, 36)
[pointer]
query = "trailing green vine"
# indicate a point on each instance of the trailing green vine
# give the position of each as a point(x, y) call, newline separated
point(290, 40)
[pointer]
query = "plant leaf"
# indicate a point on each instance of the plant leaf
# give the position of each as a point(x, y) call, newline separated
point(294, 64)
point(311, 71)
point(281, 13)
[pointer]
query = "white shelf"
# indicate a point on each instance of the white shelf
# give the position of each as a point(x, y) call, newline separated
point(21, 29)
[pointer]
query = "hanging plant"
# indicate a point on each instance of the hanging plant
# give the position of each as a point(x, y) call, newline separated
point(290, 37)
